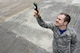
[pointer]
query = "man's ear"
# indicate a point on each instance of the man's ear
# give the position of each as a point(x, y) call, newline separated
point(65, 23)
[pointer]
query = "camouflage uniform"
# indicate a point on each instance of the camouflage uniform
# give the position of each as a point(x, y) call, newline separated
point(62, 43)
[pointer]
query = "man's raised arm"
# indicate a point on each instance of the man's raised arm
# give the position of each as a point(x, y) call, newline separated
point(41, 22)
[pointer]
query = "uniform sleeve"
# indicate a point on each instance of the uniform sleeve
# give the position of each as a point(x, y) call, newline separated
point(43, 24)
point(73, 41)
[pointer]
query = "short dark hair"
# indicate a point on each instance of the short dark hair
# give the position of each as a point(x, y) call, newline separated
point(67, 18)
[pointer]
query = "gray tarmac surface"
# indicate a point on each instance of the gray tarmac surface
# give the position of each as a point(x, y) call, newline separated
point(24, 27)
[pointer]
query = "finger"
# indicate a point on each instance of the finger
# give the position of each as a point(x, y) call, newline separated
point(36, 11)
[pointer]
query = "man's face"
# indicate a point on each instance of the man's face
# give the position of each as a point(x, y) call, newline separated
point(60, 20)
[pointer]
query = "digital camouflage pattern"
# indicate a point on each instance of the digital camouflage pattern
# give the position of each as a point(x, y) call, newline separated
point(62, 43)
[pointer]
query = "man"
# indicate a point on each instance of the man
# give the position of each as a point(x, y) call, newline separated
point(64, 37)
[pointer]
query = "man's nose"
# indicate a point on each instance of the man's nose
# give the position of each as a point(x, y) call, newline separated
point(57, 20)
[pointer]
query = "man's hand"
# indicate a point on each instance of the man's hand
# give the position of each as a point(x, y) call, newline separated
point(36, 14)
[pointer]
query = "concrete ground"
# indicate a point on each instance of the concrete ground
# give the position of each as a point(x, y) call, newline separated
point(9, 8)
point(20, 32)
